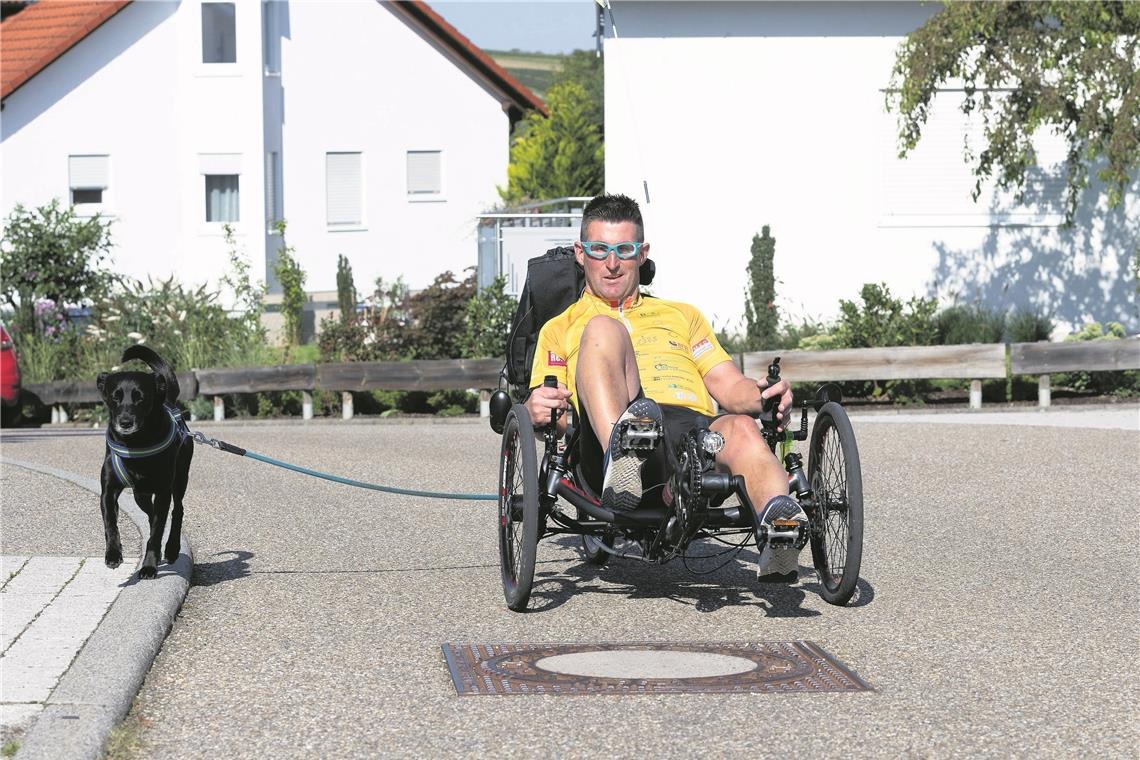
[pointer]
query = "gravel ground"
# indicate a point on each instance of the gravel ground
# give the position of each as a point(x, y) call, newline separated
point(992, 618)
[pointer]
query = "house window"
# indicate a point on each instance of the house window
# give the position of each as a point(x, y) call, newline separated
point(272, 188)
point(219, 33)
point(344, 190)
point(423, 173)
point(88, 178)
point(222, 197)
point(932, 186)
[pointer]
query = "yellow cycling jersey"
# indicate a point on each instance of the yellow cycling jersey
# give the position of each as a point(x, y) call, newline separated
point(674, 345)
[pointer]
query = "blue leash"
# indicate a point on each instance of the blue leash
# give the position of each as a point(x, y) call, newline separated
point(223, 446)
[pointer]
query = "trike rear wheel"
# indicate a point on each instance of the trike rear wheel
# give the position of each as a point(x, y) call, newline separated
point(518, 508)
point(836, 518)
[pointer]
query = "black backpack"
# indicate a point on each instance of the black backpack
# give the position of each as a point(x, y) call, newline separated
point(553, 282)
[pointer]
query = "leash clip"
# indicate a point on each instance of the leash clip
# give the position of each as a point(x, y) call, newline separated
point(201, 437)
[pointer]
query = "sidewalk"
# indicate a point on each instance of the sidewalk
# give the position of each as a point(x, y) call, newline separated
point(76, 638)
point(51, 605)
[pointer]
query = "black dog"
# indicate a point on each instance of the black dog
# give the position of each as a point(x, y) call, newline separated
point(149, 450)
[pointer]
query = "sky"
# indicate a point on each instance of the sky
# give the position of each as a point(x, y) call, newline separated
point(542, 26)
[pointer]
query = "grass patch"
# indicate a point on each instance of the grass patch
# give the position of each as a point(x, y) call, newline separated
point(125, 740)
point(10, 748)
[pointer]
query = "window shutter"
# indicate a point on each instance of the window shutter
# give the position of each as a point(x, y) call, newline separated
point(88, 172)
point(344, 184)
point(423, 172)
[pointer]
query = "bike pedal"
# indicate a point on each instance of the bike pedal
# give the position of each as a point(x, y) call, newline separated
point(640, 434)
point(782, 524)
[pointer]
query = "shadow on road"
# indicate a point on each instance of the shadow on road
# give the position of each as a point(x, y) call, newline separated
point(213, 573)
point(702, 585)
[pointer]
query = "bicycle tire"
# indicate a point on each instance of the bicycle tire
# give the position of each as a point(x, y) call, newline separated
point(836, 518)
point(518, 508)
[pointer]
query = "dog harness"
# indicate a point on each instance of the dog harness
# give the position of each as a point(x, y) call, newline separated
point(178, 431)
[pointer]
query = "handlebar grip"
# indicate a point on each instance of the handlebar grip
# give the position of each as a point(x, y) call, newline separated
point(550, 381)
point(773, 378)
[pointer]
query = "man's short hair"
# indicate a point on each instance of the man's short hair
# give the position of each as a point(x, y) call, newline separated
point(613, 208)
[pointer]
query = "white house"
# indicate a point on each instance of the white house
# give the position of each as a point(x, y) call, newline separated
point(375, 128)
point(735, 115)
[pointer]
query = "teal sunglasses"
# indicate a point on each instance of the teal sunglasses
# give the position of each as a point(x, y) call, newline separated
point(596, 249)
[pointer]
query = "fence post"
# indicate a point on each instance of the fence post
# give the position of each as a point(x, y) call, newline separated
point(484, 404)
point(346, 405)
point(1044, 391)
point(219, 409)
point(975, 394)
point(306, 405)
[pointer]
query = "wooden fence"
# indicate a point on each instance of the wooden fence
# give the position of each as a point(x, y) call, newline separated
point(973, 362)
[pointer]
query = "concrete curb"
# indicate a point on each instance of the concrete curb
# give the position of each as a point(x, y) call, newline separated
point(96, 692)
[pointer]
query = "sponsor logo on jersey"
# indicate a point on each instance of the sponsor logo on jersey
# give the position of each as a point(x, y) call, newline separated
point(554, 360)
point(703, 347)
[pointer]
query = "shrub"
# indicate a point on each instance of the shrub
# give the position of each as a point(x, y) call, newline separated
point(292, 279)
point(489, 316)
point(1028, 326)
point(53, 254)
point(884, 320)
point(438, 316)
point(1125, 383)
point(968, 324)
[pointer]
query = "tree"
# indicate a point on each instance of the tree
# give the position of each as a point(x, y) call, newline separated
point(52, 253)
point(558, 155)
point(585, 68)
point(760, 313)
point(345, 289)
point(1069, 67)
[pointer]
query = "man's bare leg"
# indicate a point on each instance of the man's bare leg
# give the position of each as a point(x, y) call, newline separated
point(606, 379)
point(745, 453)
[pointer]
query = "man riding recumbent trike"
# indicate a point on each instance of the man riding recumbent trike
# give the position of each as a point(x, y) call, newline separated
point(593, 360)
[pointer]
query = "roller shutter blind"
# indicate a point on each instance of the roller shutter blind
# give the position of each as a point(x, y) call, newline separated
point(88, 172)
point(343, 189)
point(424, 172)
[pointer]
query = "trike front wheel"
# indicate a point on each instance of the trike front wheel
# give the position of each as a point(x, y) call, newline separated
point(836, 517)
point(518, 508)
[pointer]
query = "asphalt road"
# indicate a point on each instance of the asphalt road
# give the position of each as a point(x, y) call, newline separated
point(998, 613)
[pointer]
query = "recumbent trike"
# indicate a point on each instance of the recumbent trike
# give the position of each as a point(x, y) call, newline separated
point(691, 507)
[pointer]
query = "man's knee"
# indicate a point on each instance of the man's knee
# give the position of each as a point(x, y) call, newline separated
point(742, 438)
point(604, 329)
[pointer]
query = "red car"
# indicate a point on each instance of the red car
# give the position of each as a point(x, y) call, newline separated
point(9, 379)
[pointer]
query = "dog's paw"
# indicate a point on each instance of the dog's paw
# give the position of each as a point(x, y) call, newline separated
point(113, 558)
point(171, 554)
point(146, 572)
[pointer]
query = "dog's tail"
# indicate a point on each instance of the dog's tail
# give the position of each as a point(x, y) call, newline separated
point(157, 365)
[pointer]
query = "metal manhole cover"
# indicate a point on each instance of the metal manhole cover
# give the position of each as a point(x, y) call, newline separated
point(647, 668)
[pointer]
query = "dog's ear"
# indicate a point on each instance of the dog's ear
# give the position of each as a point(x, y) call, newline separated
point(101, 382)
point(160, 387)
